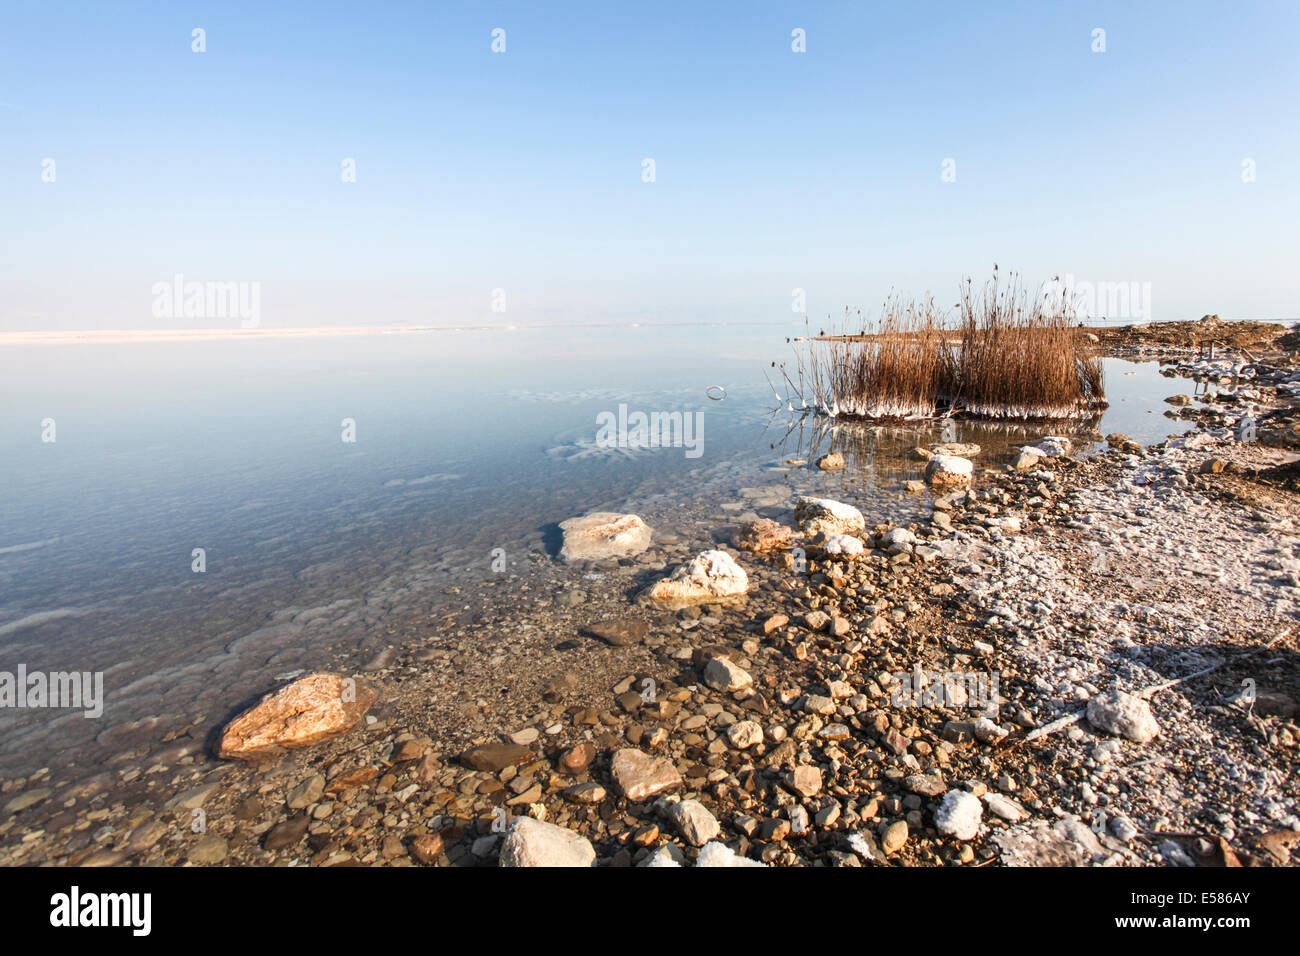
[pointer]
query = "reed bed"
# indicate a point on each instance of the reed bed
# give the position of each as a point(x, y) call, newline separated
point(1006, 356)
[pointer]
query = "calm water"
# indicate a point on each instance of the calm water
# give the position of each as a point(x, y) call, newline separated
point(465, 442)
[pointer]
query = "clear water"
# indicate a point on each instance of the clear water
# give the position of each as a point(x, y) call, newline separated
point(465, 442)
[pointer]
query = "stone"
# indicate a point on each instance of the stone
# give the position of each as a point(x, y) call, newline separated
point(307, 792)
point(1179, 399)
point(693, 821)
point(832, 462)
point(843, 545)
point(948, 471)
point(619, 633)
point(639, 776)
point(586, 793)
point(897, 540)
point(427, 848)
point(29, 798)
point(1123, 715)
point(894, 837)
point(312, 709)
point(1028, 459)
point(957, 449)
point(806, 780)
point(1004, 807)
point(711, 576)
point(959, 815)
point(211, 849)
point(764, 535)
point(531, 842)
point(719, 854)
point(775, 623)
point(603, 536)
point(989, 732)
point(825, 516)
point(745, 734)
point(493, 758)
point(721, 674)
point(576, 759)
point(287, 834)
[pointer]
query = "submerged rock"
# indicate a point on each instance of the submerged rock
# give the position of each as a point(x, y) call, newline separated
point(832, 462)
point(312, 709)
point(711, 576)
point(603, 536)
point(531, 842)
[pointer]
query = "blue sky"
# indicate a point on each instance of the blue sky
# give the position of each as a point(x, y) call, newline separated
point(522, 170)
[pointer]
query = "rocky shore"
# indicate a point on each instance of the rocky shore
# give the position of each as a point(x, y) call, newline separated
point(1084, 660)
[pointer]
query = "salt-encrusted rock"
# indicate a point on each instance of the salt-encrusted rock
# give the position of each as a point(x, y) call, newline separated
point(825, 516)
point(721, 674)
point(844, 545)
point(959, 815)
point(693, 821)
point(1053, 446)
point(1123, 715)
point(745, 734)
point(948, 471)
point(312, 709)
point(603, 536)
point(764, 535)
point(531, 842)
point(711, 576)
point(897, 540)
point(989, 732)
point(639, 776)
point(719, 854)
point(832, 462)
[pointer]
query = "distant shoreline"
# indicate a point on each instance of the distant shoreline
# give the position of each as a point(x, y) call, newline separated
point(119, 336)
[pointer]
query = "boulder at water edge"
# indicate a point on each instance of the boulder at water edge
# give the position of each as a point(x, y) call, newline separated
point(948, 471)
point(825, 516)
point(603, 536)
point(310, 710)
point(710, 576)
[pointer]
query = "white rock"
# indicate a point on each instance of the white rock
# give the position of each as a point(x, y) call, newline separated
point(602, 536)
point(531, 842)
point(721, 674)
point(823, 515)
point(947, 471)
point(718, 854)
point(843, 544)
point(959, 815)
point(745, 734)
point(1123, 715)
point(1004, 807)
point(710, 576)
point(987, 731)
point(693, 821)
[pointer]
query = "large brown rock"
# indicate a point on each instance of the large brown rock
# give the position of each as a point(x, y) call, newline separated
point(312, 709)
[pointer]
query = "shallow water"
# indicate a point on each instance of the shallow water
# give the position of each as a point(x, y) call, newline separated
point(465, 442)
